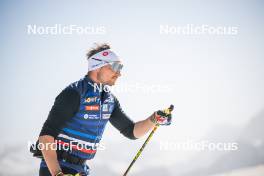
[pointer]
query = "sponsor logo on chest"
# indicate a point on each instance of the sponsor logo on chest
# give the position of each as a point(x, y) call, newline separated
point(91, 116)
point(106, 116)
point(105, 107)
point(91, 100)
point(92, 108)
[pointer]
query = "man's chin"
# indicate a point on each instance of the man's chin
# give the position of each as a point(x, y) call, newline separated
point(112, 83)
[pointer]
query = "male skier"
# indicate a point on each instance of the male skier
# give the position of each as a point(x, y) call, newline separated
point(77, 119)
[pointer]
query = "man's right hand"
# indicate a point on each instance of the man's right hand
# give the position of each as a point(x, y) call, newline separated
point(50, 154)
point(61, 174)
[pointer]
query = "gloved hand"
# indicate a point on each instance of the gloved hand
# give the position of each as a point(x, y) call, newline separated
point(162, 117)
point(62, 174)
point(78, 174)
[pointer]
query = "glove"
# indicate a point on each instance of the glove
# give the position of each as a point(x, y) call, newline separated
point(62, 174)
point(162, 117)
point(78, 174)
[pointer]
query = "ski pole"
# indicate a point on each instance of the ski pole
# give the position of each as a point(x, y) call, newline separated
point(167, 111)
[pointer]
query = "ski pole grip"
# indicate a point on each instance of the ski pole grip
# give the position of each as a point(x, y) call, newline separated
point(171, 107)
point(168, 111)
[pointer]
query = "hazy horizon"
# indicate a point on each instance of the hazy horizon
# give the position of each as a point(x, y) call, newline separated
point(212, 80)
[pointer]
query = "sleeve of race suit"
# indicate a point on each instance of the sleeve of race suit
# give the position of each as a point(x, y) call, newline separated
point(65, 106)
point(122, 122)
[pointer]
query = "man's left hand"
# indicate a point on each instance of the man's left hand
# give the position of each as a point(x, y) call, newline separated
point(161, 118)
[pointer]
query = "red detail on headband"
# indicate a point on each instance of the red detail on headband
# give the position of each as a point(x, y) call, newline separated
point(105, 53)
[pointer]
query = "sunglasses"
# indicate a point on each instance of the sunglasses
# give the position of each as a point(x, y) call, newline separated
point(115, 66)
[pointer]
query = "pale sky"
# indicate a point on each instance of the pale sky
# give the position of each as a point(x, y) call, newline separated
point(213, 79)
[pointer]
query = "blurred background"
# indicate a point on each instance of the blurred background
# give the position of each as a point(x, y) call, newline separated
point(214, 80)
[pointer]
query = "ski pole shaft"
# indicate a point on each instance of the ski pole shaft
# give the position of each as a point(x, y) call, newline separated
point(141, 149)
point(146, 141)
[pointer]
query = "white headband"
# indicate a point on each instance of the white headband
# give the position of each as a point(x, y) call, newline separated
point(97, 60)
